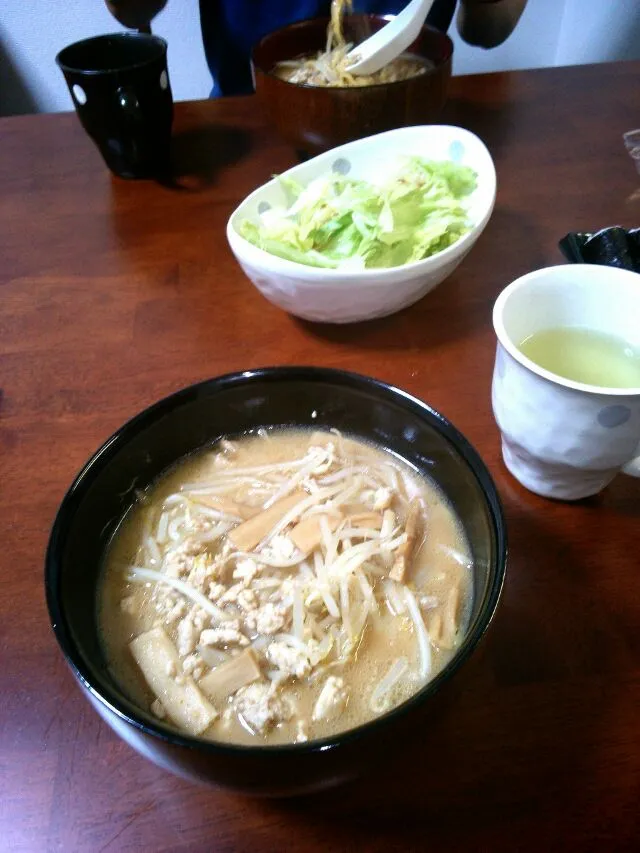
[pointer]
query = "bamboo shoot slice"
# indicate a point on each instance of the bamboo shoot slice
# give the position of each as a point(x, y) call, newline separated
point(434, 627)
point(226, 505)
point(307, 535)
point(184, 703)
point(450, 618)
point(246, 536)
point(405, 552)
point(231, 676)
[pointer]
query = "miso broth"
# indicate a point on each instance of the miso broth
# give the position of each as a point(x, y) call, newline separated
point(283, 587)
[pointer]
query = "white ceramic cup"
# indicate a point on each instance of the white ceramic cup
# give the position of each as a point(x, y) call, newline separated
point(563, 439)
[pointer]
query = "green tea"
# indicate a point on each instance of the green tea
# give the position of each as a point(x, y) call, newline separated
point(585, 355)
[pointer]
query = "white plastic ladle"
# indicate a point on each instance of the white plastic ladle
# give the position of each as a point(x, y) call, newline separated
point(389, 42)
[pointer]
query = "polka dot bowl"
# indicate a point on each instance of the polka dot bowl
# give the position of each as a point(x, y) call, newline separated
point(347, 296)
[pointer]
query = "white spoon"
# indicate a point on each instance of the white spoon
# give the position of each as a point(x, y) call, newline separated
point(389, 42)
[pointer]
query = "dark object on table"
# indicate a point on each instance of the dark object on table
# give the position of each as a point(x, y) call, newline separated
point(146, 446)
point(614, 247)
point(314, 118)
point(120, 88)
point(138, 15)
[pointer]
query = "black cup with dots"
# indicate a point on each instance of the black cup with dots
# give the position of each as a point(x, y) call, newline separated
point(120, 88)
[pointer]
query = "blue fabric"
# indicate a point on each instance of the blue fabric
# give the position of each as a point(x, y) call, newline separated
point(230, 28)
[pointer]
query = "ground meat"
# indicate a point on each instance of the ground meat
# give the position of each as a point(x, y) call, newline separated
point(216, 590)
point(176, 612)
point(245, 571)
point(332, 699)
point(279, 548)
point(187, 636)
point(202, 570)
point(248, 600)
point(228, 634)
point(200, 617)
point(268, 619)
point(231, 595)
point(260, 707)
point(284, 593)
point(288, 659)
point(179, 561)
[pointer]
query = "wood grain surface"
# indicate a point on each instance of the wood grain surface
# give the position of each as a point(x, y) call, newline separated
point(115, 293)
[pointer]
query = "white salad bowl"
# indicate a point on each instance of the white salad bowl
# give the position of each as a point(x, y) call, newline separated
point(347, 296)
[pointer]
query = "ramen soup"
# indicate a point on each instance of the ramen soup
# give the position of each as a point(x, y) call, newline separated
point(283, 587)
point(330, 67)
point(331, 70)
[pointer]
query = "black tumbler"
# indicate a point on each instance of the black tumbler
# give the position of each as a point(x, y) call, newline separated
point(120, 89)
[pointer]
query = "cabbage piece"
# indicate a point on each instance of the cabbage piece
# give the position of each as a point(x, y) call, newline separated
point(338, 222)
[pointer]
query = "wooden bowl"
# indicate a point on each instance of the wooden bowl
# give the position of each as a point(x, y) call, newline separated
point(314, 119)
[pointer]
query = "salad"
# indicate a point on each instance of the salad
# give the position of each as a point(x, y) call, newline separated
point(339, 222)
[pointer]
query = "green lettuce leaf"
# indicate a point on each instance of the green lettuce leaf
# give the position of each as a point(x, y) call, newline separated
point(341, 223)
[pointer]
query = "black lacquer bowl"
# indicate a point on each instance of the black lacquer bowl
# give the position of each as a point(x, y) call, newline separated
point(230, 405)
point(611, 247)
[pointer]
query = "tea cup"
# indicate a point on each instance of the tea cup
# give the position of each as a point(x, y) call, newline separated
point(561, 438)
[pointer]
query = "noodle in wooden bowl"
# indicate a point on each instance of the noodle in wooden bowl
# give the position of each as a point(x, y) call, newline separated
point(330, 67)
point(315, 104)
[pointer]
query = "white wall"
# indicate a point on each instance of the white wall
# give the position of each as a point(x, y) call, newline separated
point(559, 32)
point(531, 45)
point(550, 32)
point(606, 29)
point(33, 31)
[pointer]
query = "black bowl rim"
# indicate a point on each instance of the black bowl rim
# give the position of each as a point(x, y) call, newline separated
point(122, 36)
point(354, 89)
point(126, 710)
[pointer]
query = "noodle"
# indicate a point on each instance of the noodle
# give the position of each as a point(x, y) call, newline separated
point(241, 621)
point(329, 67)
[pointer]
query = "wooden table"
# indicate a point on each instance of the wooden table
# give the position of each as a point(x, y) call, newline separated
point(116, 293)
